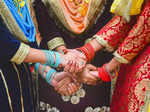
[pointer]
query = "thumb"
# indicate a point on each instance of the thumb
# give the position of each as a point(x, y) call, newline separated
point(91, 67)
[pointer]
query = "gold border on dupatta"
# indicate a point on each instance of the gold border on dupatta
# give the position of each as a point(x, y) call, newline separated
point(10, 22)
point(96, 9)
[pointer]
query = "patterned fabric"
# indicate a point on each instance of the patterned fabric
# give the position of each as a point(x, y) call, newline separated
point(75, 16)
point(138, 37)
point(132, 92)
point(133, 85)
point(114, 32)
point(23, 19)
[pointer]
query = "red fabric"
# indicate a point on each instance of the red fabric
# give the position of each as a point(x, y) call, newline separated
point(134, 79)
point(138, 37)
point(132, 84)
point(103, 74)
point(115, 31)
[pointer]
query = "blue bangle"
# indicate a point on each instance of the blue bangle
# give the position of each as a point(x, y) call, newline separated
point(43, 70)
point(50, 58)
point(57, 59)
point(49, 75)
point(36, 67)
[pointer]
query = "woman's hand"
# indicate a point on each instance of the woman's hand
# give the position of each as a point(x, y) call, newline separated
point(64, 84)
point(89, 75)
point(74, 61)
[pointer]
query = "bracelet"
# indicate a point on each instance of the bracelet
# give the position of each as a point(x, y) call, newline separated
point(49, 75)
point(103, 74)
point(52, 58)
point(36, 67)
point(63, 51)
point(88, 50)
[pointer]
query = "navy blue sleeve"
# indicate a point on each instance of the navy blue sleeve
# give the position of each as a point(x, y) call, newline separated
point(8, 45)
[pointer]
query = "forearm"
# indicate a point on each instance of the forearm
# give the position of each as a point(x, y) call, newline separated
point(35, 56)
point(61, 48)
point(96, 45)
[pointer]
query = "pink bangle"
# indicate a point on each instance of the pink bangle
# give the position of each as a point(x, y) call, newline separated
point(103, 74)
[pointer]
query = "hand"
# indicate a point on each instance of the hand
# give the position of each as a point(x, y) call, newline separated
point(89, 75)
point(74, 61)
point(64, 84)
point(61, 81)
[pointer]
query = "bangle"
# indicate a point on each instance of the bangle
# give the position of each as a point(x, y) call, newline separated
point(63, 51)
point(88, 50)
point(36, 67)
point(49, 75)
point(103, 74)
point(52, 58)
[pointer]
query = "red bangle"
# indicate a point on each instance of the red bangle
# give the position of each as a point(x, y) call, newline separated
point(88, 50)
point(103, 74)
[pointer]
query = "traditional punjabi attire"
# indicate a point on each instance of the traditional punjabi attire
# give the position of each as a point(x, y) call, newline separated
point(132, 91)
point(56, 30)
point(17, 32)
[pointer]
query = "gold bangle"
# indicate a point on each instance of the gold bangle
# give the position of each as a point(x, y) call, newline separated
point(54, 43)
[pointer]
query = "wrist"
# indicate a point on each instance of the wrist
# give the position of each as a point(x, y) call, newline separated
point(88, 51)
point(52, 58)
point(61, 48)
point(96, 45)
point(104, 75)
point(112, 65)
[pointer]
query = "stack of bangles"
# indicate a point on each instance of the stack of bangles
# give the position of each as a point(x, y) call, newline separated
point(88, 51)
point(48, 76)
point(106, 76)
point(52, 58)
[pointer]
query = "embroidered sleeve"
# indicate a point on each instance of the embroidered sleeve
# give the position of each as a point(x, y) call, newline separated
point(21, 54)
point(137, 38)
point(113, 33)
point(55, 42)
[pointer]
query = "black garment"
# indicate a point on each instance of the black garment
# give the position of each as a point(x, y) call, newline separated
point(95, 95)
point(15, 80)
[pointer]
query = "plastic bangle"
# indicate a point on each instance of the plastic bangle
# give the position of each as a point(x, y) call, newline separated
point(103, 74)
point(50, 58)
point(36, 67)
point(88, 50)
point(49, 75)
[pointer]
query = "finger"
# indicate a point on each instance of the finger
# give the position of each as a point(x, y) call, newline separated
point(72, 67)
point(66, 68)
point(63, 91)
point(71, 89)
point(91, 67)
point(76, 68)
point(91, 83)
point(66, 80)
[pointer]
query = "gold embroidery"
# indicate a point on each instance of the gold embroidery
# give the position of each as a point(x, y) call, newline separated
point(136, 40)
point(11, 22)
point(7, 91)
point(21, 95)
point(56, 42)
point(21, 54)
point(120, 58)
point(141, 88)
point(104, 43)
